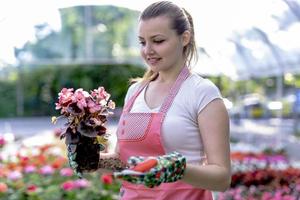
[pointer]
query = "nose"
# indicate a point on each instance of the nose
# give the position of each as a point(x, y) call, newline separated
point(148, 49)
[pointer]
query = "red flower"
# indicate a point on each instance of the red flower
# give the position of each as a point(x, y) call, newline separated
point(107, 179)
point(59, 162)
point(32, 188)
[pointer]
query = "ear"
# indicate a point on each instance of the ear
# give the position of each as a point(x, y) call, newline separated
point(186, 37)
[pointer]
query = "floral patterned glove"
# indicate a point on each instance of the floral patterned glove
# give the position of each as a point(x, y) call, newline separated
point(71, 142)
point(71, 148)
point(154, 170)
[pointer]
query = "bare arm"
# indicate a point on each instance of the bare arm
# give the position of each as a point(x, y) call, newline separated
point(214, 128)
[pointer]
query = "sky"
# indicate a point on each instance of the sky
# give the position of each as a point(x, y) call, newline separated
point(214, 20)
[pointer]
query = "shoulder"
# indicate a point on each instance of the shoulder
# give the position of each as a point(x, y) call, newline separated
point(198, 92)
point(199, 85)
point(134, 87)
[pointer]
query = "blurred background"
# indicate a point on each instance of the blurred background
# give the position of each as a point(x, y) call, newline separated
point(249, 49)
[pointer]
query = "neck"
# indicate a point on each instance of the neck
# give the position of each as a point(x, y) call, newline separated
point(170, 75)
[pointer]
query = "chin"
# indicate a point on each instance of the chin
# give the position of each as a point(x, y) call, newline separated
point(154, 68)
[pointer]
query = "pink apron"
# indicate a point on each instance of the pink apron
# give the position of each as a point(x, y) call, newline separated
point(139, 134)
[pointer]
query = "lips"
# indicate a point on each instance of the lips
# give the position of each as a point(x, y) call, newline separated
point(153, 61)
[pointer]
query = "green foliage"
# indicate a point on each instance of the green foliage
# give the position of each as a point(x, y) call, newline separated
point(108, 31)
point(42, 84)
point(7, 98)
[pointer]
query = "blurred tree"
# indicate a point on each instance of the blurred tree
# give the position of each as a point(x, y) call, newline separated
point(87, 32)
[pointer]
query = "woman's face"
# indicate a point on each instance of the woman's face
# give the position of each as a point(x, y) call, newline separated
point(161, 47)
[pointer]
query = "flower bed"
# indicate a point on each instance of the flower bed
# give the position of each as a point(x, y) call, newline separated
point(267, 175)
point(42, 173)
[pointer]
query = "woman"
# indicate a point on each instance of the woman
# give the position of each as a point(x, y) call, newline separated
point(173, 110)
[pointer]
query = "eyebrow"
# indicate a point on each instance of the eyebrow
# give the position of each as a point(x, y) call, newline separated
point(151, 36)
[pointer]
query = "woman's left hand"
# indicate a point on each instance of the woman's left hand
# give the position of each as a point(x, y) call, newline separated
point(167, 168)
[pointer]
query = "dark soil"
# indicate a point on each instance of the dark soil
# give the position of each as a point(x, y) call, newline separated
point(88, 152)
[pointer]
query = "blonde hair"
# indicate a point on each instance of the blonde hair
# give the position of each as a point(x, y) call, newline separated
point(181, 21)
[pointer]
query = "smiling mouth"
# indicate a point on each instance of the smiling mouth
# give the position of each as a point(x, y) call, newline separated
point(153, 60)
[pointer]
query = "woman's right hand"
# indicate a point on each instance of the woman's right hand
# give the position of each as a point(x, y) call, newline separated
point(110, 162)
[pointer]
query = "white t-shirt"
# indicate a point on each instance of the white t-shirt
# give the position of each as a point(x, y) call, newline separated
point(180, 129)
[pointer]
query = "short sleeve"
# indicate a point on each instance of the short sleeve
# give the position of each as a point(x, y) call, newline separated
point(206, 91)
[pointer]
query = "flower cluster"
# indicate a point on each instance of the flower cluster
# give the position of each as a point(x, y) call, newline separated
point(86, 112)
point(262, 175)
point(244, 162)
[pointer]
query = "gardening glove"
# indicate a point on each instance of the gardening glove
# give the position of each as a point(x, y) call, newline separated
point(131, 174)
point(153, 171)
point(71, 143)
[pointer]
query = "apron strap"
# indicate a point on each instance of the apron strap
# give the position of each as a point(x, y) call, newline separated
point(131, 100)
point(184, 74)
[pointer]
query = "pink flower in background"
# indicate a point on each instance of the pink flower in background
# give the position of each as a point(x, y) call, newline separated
point(66, 172)
point(68, 186)
point(3, 187)
point(2, 141)
point(30, 169)
point(14, 175)
point(266, 196)
point(81, 183)
point(47, 170)
point(106, 179)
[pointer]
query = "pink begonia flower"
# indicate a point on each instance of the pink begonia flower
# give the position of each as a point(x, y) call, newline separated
point(81, 183)
point(65, 97)
point(100, 94)
point(47, 170)
point(68, 186)
point(66, 172)
point(80, 98)
point(30, 169)
point(14, 175)
point(93, 107)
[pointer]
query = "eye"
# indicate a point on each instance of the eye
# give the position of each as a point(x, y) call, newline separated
point(158, 41)
point(142, 43)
